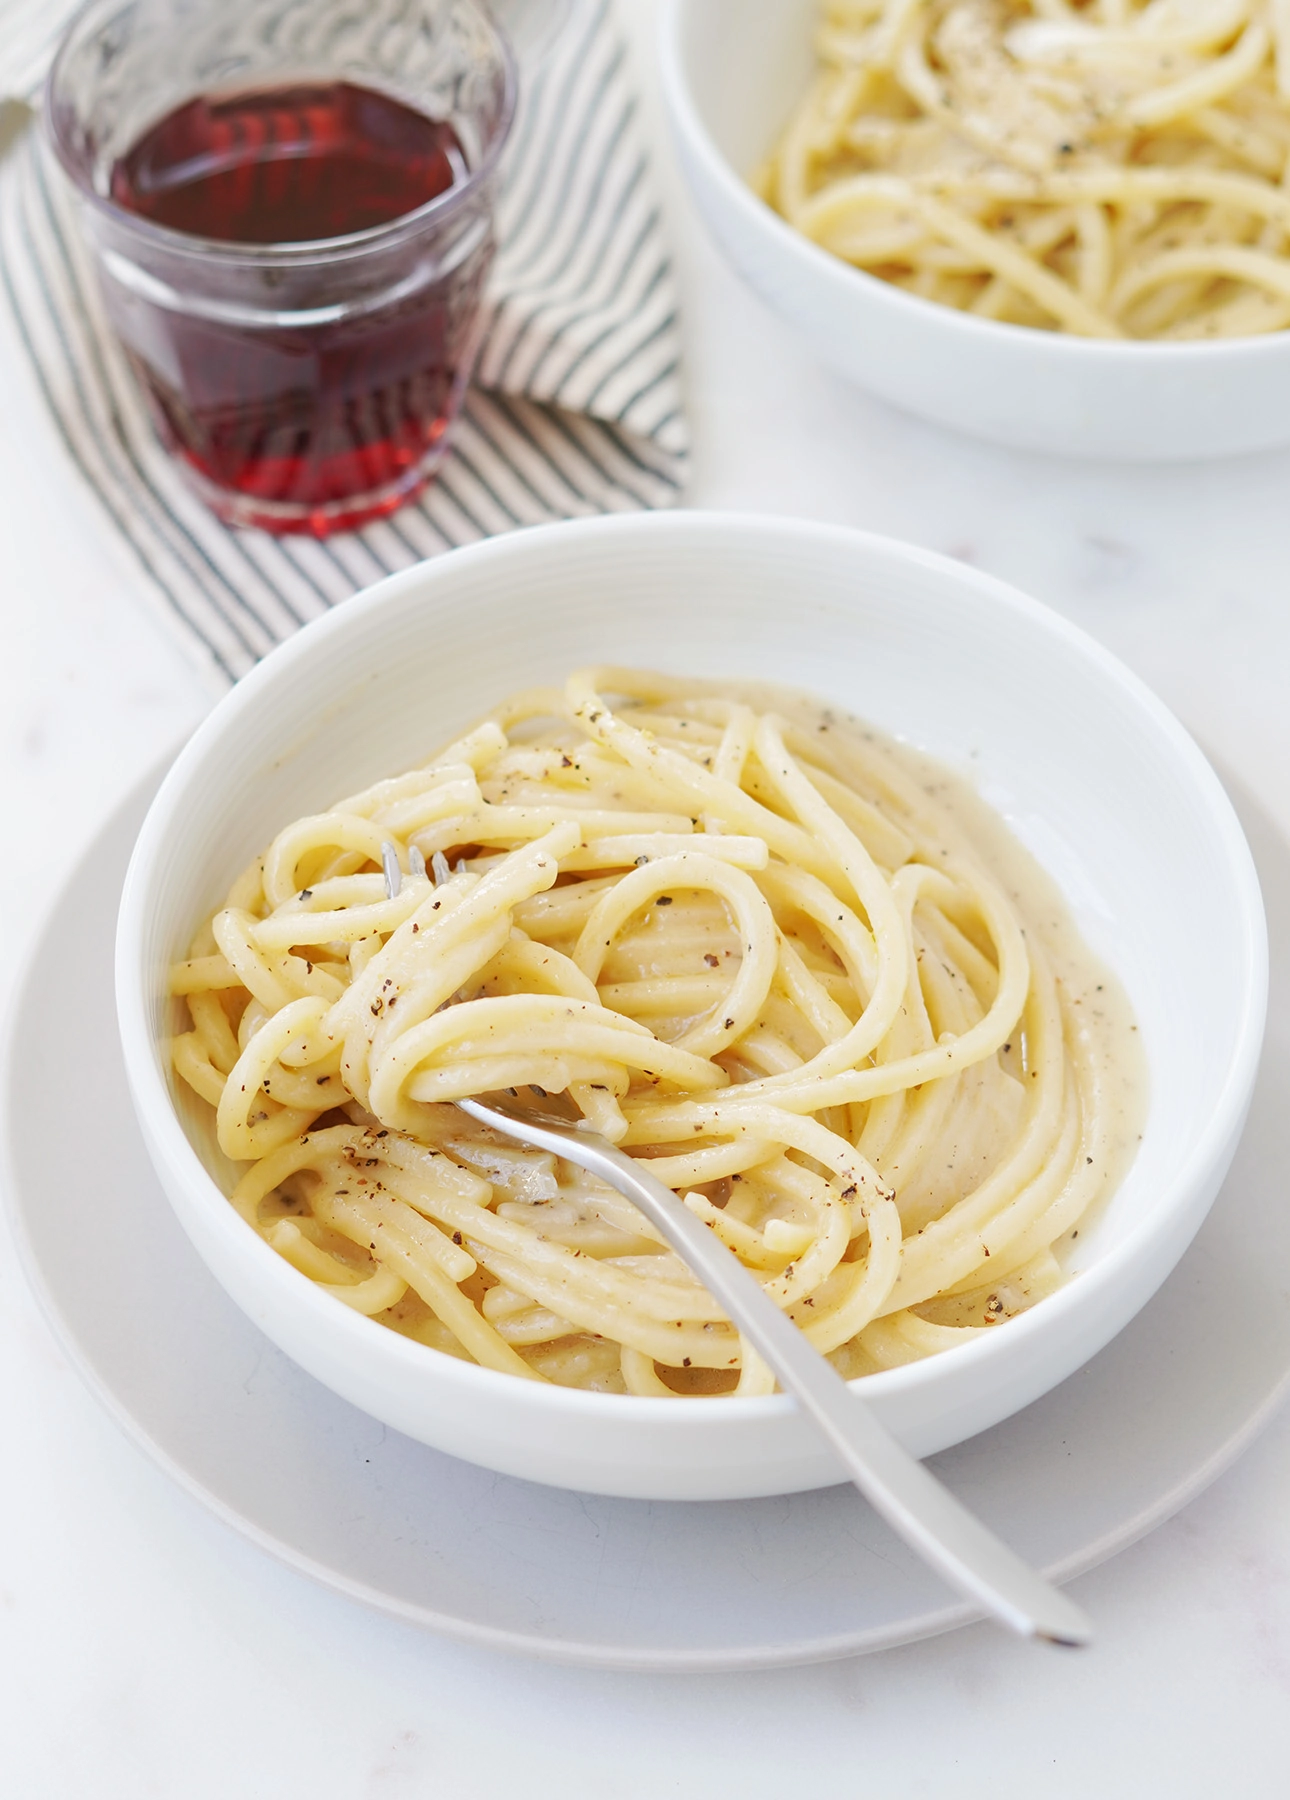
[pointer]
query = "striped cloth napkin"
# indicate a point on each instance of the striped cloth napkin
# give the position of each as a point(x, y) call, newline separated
point(575, 407)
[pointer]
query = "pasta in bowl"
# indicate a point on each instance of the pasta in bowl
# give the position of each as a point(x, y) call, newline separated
point(1060, 227)
point(1112, 170)
point(737, 794)
point(761, 948)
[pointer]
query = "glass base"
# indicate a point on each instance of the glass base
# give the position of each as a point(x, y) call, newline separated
point(302, 519)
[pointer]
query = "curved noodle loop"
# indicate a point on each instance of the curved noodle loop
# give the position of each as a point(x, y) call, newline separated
point(745, 939)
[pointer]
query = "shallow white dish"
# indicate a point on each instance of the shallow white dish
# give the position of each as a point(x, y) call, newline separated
point(730, 88)
point(1088, 767)
point(621, 1584)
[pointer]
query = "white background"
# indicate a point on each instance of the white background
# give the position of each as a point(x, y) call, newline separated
point(147, 1651)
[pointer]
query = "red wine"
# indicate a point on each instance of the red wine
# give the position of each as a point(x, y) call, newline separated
point(295, 419)
point(287, 165)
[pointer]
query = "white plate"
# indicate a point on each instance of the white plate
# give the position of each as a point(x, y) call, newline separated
point(623, 1584)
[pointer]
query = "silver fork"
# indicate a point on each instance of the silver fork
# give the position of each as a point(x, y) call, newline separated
point(914, 1503)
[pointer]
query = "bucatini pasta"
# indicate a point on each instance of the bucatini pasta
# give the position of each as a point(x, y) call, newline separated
point(805, 974)
point(1110, 169)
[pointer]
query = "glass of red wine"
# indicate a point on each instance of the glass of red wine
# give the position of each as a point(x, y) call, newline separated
point(290, 204)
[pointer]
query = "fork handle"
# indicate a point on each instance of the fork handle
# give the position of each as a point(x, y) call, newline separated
point(914, 1503)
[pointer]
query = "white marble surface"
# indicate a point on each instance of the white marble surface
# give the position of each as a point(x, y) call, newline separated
point(146, 1651)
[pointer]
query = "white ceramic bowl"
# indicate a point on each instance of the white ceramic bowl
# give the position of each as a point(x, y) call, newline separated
point(731, 81)
point(1090, 770)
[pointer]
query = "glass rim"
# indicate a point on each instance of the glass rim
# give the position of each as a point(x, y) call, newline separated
point(292, 251)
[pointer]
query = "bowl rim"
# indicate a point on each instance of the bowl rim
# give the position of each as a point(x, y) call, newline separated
point(165, 1133)
point(847, 280)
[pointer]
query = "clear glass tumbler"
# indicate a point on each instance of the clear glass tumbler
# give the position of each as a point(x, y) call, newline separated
point(291, 207)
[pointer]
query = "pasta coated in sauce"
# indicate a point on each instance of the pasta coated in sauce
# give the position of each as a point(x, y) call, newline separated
point(1112, 169)
point(749, 940)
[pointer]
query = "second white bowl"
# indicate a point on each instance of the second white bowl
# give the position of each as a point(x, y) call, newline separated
point(730, 85)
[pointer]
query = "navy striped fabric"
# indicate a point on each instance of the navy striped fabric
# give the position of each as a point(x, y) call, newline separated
point(575, 408)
